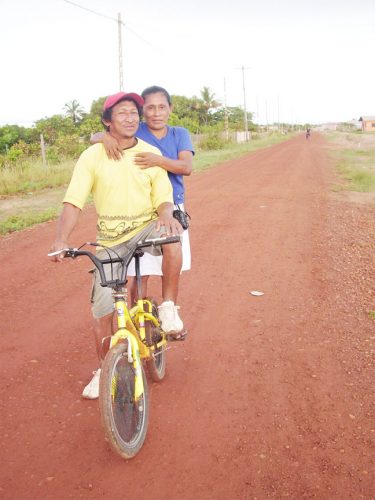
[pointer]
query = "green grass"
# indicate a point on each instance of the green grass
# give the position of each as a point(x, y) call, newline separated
point(19, 222)
point(371, 314)
point(34, 177)
point(358, 177)
point(206, 159)
point(362, 181)
point(355, 164)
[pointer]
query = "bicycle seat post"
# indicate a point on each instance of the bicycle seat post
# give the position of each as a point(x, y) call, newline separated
point(137, 255)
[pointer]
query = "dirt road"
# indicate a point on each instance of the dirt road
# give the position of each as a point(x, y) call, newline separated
point(270, 396)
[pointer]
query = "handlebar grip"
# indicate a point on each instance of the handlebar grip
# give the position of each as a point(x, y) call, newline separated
point(158, 241)
point(58, 252)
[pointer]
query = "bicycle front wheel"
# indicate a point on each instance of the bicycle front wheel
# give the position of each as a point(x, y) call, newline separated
point(124, 418)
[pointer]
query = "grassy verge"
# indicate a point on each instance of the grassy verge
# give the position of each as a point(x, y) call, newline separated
point(32, 178)
point(22, 221)
point(206, 159)
point(355, 161)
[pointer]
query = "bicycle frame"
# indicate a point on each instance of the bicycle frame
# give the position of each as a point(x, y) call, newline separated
point(127, 331)
point(132, 327)
point(131, 323)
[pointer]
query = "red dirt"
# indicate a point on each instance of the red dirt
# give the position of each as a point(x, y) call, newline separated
point(269, 397)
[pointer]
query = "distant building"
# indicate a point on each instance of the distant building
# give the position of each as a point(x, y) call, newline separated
point(326, 127)
point(368, 123)
point(356, 124)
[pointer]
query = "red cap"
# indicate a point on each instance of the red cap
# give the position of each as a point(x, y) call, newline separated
point(121, 96)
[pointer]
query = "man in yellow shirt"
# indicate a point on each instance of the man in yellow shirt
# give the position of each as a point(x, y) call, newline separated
point(131, 204)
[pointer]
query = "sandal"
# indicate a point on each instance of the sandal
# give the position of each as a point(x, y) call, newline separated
point(178, 335)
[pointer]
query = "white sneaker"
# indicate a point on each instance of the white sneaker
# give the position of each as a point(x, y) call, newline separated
point(169, 318)
point(91, 391)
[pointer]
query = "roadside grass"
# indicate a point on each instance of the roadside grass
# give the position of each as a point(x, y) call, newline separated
point(19, 222)
point(33, 178)
point(206, 159)
point(355, 161)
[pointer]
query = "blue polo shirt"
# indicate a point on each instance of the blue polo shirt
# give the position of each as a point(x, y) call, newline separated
point(177, 139)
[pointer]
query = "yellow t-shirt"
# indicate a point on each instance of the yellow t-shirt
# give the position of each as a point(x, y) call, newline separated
point(126, 197)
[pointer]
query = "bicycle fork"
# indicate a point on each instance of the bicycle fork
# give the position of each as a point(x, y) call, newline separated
point(133, 354)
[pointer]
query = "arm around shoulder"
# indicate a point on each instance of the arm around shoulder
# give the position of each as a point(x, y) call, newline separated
point(97, 138)
point(111, 145)
point(182, 166)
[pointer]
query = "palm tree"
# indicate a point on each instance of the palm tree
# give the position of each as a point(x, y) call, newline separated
point(209, 101)
point(74, 111)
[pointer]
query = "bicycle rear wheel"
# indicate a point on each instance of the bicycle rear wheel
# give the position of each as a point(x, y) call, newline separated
point(124, 419)
point(156, 364)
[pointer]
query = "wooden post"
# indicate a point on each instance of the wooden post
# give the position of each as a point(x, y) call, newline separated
point(226, 124)
point(244, 105)
point(43, 151)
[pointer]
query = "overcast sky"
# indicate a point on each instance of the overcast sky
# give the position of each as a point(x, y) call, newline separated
point(305, 61)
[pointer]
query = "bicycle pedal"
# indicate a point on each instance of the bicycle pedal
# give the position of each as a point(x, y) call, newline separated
point(155, 354)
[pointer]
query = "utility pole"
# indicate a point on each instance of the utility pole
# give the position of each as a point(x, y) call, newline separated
point(43, 150)
point(244, 105)
point(119, 25)
point(226, 124)
point(120, 67)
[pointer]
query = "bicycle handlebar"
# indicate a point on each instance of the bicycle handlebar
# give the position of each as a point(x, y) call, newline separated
point(99, 263)
point(158, 241)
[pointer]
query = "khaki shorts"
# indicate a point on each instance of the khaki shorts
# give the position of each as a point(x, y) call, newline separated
point(101, 297)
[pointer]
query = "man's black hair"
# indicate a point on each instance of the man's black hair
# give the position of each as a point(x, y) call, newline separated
point(107, 114)
point(155, 90)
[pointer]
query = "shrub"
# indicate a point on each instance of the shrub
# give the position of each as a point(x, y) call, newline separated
point(14, 154)
point(52, 154)
point(211, 142)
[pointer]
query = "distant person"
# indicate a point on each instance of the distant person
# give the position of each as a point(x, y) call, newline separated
point(177, 150)
point(308, 132)
point(131, 204)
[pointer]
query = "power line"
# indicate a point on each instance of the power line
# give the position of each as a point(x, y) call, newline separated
point(111, 19)
point(92, 11)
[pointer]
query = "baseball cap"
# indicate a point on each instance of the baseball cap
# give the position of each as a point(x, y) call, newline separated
point(120, 96)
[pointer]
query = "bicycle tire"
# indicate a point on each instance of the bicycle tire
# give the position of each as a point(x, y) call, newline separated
point(125, 420)
point(157, 363)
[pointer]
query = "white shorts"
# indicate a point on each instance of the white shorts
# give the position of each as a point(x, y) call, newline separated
point(150, 265)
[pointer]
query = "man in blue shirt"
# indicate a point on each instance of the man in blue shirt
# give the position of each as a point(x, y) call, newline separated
point(177, 150)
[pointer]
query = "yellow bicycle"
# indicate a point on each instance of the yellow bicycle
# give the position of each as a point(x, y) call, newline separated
point(138, 341)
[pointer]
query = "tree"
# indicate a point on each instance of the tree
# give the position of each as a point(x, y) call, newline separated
point(209, 102)
point(11, 134)
point(74, 111)
point(89, 125)
point(55, 126)
point(183, 113)
point(182, 107)
point(97, 107)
